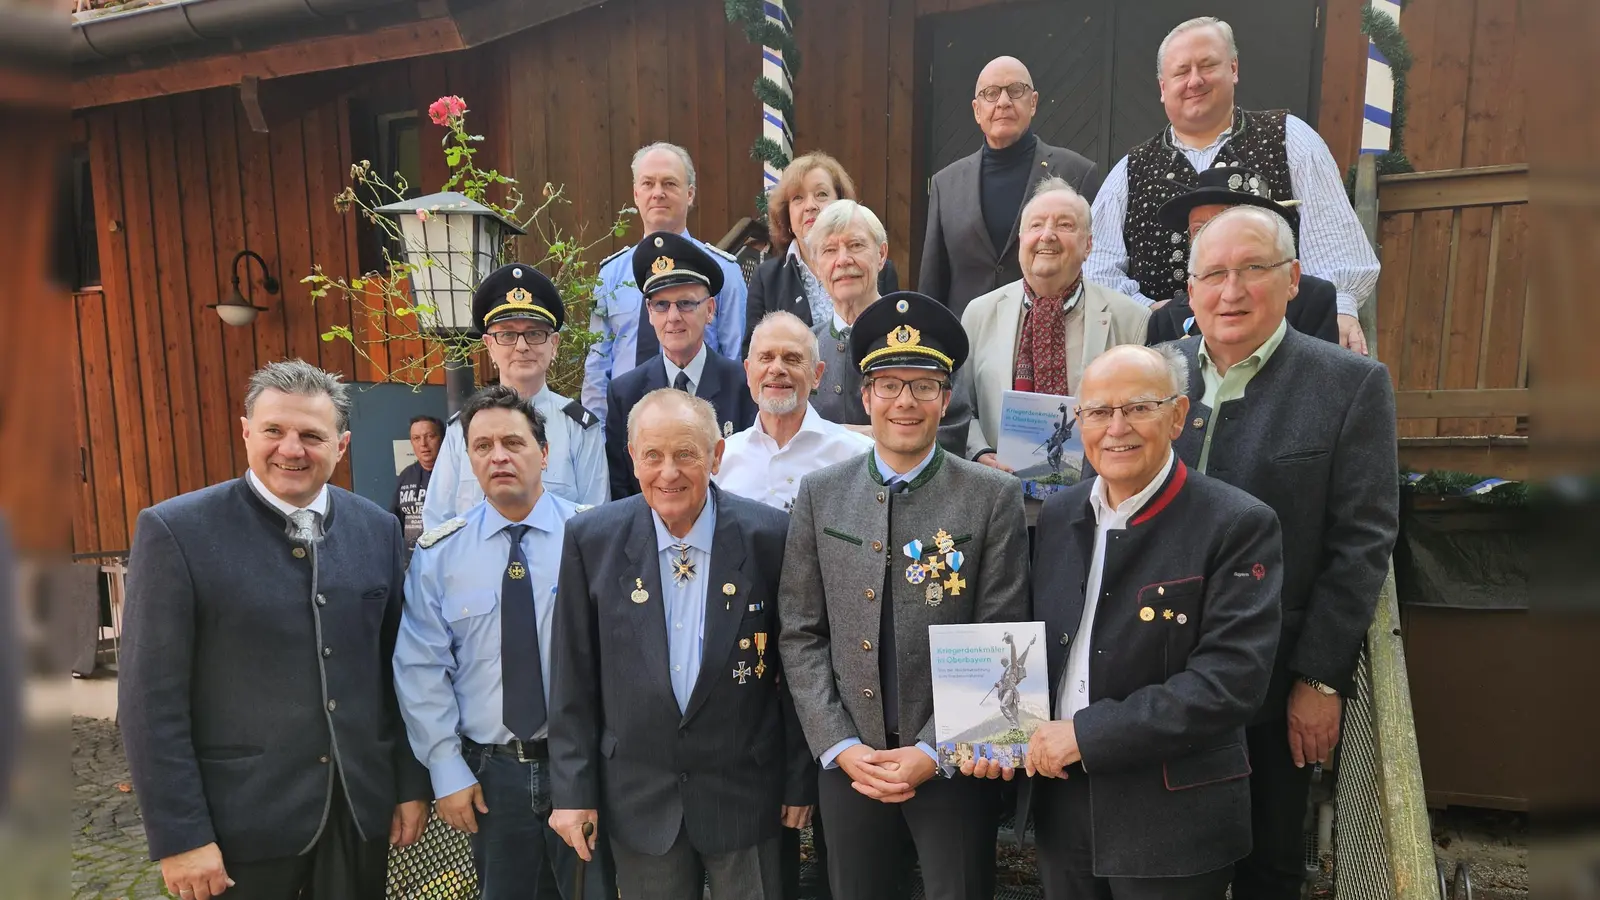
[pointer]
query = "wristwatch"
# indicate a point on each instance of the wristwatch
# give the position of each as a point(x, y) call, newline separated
point(1323, 689)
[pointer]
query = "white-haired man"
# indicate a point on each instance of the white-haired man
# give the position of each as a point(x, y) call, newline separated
point(663, 192)
point(1197, 67)
point(789, 439)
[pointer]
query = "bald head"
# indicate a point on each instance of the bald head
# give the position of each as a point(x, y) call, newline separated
point(1163, 368)
point(1004, 118)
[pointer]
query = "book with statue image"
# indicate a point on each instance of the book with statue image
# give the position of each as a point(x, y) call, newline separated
point(1039, 441)
point(986, 701)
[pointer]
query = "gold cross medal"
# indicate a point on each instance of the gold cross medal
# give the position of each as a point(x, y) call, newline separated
point(955, 583)
point(639, 594)
point(682, 568)
point(516, 571)
point(761, 650)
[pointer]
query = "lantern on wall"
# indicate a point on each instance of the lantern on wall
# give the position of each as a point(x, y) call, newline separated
point(452, 243)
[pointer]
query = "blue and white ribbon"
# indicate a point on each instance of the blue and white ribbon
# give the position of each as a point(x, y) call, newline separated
point(773, 124)
point(1379, 111)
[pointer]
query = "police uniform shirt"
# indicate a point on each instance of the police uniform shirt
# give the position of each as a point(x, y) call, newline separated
point(576, 472)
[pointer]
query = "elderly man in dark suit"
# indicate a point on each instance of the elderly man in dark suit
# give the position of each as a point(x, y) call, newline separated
point(670, 720)
point(856, 615)
point(1163, 589)
point(256, 693)
point(680, 283)
point(973, 204)
point(1309, 429)
point(1315, 307)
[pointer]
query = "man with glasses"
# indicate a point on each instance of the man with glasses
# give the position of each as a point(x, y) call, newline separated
point(1309, 429)
point(881, 547)
point(1160, 603)
point(520, 314)
point(1138, 254)
point(680, 283)
point(973, 203)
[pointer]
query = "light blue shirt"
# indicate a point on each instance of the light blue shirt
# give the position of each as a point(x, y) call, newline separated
point(889, 477)
point(616, 320)
point(575, 470)
point(447, 655)
point(685, 604)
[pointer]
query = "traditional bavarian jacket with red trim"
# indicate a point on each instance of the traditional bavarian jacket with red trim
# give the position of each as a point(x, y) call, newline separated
point(1183, 640)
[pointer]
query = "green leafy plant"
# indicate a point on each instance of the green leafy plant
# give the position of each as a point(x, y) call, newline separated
point(384, 312)
point(759, 30)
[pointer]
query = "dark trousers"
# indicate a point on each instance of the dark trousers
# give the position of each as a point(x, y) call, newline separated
point(684, 873)
point(1276, 867)
point(950, 824)
point(339, 866)
point(1064, 834)
point(516, 855)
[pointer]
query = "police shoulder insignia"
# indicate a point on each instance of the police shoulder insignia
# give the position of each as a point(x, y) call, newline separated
point(583, 507)
point(718, 251)
point(625, 251)
point(577, 413)
point(439, 533)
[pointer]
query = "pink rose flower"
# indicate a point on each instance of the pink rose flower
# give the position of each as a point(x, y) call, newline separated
point(444, 109)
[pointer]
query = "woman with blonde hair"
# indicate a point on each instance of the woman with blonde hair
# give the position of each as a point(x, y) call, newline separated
point(785, 280)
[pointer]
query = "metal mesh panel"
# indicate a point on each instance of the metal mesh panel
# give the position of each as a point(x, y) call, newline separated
point(1360, 860)
point(438, 867)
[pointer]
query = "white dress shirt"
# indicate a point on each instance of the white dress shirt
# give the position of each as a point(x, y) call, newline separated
point(695, 368)
point(756, 468)
point(1073, 692)
point(1332, 243)
point(318, 504)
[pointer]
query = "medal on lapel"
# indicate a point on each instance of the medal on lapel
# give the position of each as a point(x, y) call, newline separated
point(916, 572)
point(761, 654)
point(934, 595)
point(955, 583)
point(639, 594)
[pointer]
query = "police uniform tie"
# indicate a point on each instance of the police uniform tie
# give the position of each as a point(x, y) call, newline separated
point(521, 676)
point(682, 381)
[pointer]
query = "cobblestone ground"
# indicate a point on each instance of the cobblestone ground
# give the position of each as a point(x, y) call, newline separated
point(108, 846)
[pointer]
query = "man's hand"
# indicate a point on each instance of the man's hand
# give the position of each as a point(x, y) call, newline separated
point(410, 818)
point(878, 779)
point(1054, 746)
point(1313, 724)
point(569, 824)
point(987, 768)
point(910, 765)
point(796, 816)
point(993, 461)
point(1351, 335)
point(196, 874)
point(457, 810)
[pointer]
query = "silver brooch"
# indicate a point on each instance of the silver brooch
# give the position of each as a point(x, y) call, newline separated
point(1234, 181)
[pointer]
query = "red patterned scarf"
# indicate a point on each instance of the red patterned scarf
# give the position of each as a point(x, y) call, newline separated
point(1042, 354)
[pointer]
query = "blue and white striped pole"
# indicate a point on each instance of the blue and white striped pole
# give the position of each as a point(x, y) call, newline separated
point(773, 124)
point(1378, 115)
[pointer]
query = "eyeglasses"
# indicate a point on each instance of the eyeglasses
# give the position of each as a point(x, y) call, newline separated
point(684, 306)
point(509, 338)
point(1137, 411)
point(1251, 274)
point(1014, 90)
point(923, 389)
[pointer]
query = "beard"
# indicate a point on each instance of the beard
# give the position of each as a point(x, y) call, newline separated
point(780, 406)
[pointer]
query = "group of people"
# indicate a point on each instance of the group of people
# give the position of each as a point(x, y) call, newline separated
point(548, 669)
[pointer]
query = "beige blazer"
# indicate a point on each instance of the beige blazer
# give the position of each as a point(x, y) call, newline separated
point(994, 329)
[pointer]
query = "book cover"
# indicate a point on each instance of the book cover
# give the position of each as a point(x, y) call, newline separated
point(986, 702)
point(1039, 440)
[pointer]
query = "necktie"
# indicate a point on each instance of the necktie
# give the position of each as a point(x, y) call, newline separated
point(305, 525)
point(645, 345)
point(521, 676)
point(682, 381)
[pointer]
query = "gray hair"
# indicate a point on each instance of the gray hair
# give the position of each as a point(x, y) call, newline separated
point(1282, 234)
point(841, 215)
point(1223, 28)
point(784, 317)
point(1056, 184)
point(700, 413)
point(674, 149)
point(296, 376)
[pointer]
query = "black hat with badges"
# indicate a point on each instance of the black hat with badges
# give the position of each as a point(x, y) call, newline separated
point(1227, 186)
point(517, 291)
point(909, 330)
point(664, 260)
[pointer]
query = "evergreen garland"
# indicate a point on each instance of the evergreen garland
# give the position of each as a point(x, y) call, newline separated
point(1386, 36)
point(1444, 483)
point(753, 16)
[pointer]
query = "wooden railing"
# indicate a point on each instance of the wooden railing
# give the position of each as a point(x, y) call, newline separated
point(1452, 304)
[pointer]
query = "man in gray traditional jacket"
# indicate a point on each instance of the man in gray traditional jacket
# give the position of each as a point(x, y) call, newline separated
point(880, 547)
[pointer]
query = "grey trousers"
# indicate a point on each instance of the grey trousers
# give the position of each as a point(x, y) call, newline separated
point(752, 873)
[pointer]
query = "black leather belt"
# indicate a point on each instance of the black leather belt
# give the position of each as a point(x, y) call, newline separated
point(524, 751)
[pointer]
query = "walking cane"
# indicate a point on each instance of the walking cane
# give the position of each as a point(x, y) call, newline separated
point(578, 875)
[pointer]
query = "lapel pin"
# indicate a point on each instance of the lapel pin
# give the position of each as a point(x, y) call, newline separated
point(744, 643)
point(1161, 591)
point(1182, 618)
point(728, 589)
point(1146, 614)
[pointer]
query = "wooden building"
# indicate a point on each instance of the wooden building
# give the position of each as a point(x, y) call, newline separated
point(226, 136)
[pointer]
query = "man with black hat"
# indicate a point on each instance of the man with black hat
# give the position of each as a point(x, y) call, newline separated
point(680, 283)
point(897, 540)
point(1314, 308)
point(521, 314)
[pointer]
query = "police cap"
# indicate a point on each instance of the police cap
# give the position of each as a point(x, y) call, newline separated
point(517, 291)
point(664, 259)
point(908, 330)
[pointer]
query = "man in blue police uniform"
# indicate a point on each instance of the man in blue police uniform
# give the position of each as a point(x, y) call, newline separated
point(474, 648)
point(520, 314)
point(663, 191)
point(680, 282)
